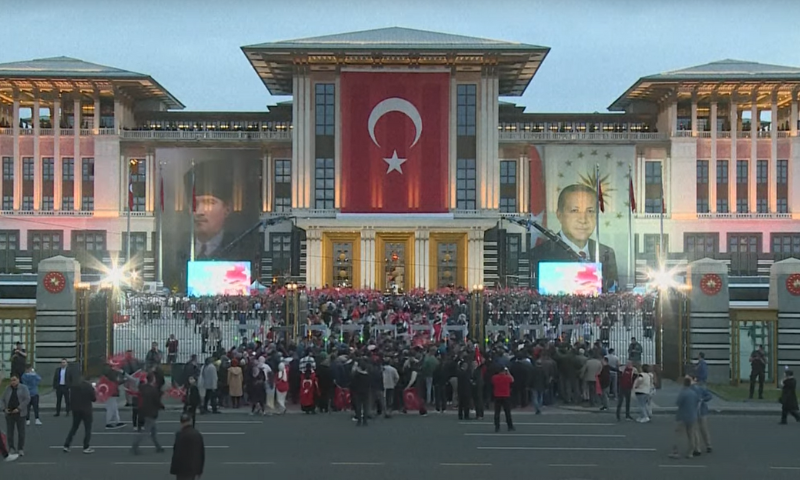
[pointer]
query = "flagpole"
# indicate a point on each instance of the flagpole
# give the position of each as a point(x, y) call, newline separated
point(631, 259)
point(191, 218)
point(130, 206)
point(597, 211)
point(160, 278)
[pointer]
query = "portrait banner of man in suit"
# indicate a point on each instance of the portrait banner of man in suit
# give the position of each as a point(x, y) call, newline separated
point(576, 212)
point(216, 193)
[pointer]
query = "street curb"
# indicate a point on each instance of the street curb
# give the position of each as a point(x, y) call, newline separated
point(660, 411)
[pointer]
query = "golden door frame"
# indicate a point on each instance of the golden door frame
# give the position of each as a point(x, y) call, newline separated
point(462, 258)
point(328, 239)
point(381, 239)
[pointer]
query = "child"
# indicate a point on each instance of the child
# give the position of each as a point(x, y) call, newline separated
point(31, 379)
point(191, 401)
point(789, 398)
point(137, 421)
point(309, 390)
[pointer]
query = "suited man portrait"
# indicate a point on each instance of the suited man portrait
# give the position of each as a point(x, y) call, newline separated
point(213, 187)
point(577, 214)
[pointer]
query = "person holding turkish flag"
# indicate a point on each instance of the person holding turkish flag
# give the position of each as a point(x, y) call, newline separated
point(108, 390)
point(395, 140)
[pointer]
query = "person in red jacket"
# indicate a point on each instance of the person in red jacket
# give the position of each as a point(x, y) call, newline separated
point(501, 389)
point(626, 379)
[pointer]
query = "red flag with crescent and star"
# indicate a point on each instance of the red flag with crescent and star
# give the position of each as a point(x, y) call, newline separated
point(395, 142)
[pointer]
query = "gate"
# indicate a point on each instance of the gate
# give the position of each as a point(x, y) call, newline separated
point(16, 325)
point(749, 329)
point(675, 344)
point(93, 330)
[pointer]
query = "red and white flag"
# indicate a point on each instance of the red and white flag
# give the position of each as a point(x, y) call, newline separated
point(395, 142)
point(631, 195)
point(161, 193)
point(600, 200)
point(130, 196)
point(194, 195)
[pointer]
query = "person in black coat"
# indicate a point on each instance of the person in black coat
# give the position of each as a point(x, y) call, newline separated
point(789, 398)
point(188, 452)
point(538, 385)
point(464, 376)
point(149, 406)
point(82, 396)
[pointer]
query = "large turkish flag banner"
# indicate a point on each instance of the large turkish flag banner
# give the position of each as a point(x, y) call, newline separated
point(395, 137)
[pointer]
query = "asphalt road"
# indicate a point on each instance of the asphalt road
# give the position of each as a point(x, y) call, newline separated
point(551, 446)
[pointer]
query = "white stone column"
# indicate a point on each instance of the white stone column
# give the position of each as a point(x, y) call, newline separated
point(150, 182)
point(522, 185)
point(712, 164)
point(309, 125)
point(793, 116)
point(367, 262)
point(474, 264)
point(297, 142)
point(734, 115)
point(494, 138)
point(314, 274)
point(773, 155)
point(55, 119)
point(694, 114)
point(17, 159)
point(752, 165)
point(76, 144)
point(422, 259)
point(673, 116)
point(37, 161)
point(117, 111)
point(337, 143)
point(482, 160)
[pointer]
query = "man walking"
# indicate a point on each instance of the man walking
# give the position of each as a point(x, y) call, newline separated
point(688, 404)
point(149, 406)
point(14, 401)
point(19, 358)
point(31, 379)
point(188, 452)
point(501, 390)
point(209, 379)
point(701, 430)
point(82, 397)
point(789, 398)
point(613, 365)
point(635, 353)
point(758, 369)
point(62, 380)
point(115, 378)
point(701, 371)
point(626, 379)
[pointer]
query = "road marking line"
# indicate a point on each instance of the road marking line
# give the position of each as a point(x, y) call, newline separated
point(222, 422)
point(167, 433)
point(573, 449)
point(568, 435)
point(248, 463)
point(784, 468)
point(552, 424)
point(108, 447)
point(356, 463)
point(566, 465)
point(682, 466)
point(37, 463)
point(142, 463)
point(466, 464)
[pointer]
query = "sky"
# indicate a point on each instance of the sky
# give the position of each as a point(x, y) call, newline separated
point(599, 48)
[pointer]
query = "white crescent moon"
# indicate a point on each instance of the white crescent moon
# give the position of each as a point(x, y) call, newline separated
point(394, 104)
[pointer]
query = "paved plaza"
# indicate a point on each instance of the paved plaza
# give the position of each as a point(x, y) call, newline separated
point(556, 445)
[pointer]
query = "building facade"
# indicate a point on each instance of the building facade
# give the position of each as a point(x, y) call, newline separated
point(399, 164)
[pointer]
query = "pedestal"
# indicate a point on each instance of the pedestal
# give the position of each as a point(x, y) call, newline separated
point(709, 320)
point(784, 296)
point(56, 314)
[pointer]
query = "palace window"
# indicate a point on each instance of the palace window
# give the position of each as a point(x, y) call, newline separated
point(513, 253)
point(762, 186)
point(466, 184)
point(48, 183)
point(741, 186)
point(139, 184)
point(67, 184)
point(281, 251)
point(700, 245)
point(27, 183)
point(466, 109)
point(508, 186)
point(394, 270)
point(87, 184)
point(786, 244)
point(324, 186)
point(652, 243)
point(9, 245)
point(723, 178)
point(325, 108)
point(652, 187)
point(44, 244)
point(282, 186)
point(782, 186)
point(343, 264)
point(8, 183)
point(702, 186)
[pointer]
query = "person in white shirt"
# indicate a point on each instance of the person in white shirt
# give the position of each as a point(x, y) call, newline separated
point(390, 379)
point(643, 389)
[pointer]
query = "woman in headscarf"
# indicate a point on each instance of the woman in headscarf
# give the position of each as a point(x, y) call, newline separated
point(282, 383)
point(235, 380)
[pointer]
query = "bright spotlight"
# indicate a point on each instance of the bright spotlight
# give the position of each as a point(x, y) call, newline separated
point(664, 279)
point(115, 275)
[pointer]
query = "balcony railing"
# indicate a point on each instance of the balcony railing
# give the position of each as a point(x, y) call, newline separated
point(202, 135)
point(6, 131)
point(683, 133)
point(46, 213)
point(764, 216)
point(582, 137)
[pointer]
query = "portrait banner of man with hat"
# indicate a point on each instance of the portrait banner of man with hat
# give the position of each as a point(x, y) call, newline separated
point(211, 197)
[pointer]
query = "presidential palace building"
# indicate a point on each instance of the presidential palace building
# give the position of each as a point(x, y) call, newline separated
point(398, 161)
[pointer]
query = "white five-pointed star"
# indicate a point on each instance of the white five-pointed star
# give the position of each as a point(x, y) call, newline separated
point(395, 163)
